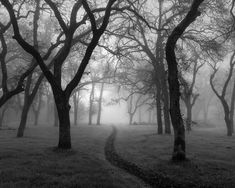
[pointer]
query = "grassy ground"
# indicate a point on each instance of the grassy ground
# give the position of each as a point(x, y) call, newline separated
point(31, 161)
point(211, 155)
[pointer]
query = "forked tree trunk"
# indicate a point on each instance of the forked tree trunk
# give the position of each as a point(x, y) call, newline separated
point(176, 118)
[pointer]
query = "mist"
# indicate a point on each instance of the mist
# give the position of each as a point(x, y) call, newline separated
point(117, 94)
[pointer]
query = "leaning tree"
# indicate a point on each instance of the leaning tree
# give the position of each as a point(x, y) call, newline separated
point(176, 117)
point(228, 109)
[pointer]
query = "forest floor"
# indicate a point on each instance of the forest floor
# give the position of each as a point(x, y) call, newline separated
point(32, 161)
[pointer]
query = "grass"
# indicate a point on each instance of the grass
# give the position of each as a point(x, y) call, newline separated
point(210, 152)
point(31, 161)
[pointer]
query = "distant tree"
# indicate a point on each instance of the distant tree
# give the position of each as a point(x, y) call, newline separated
point(38, 103)
point(187, 94)
point(134, 102)
point(91, 103)
point(228, 111)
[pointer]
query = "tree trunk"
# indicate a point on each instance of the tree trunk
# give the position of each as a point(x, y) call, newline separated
point(140, 116)
point(37, 112)
point(100, 104)
point(23, 120)
point(91, 104)
point(26, 106)
point(205, 114)
point(56, 119)
point(189, 116)
point(228, 125)
point(227, 117)
point(75, 105)
point(1, 117)
point(166, 107)
point(64, 129)
point(176, 118)
point(130, 118)
point(36, 116)
point(232, 107)
point(150, 117)
point(2, 114)
point(63, 108)
point(159, 112)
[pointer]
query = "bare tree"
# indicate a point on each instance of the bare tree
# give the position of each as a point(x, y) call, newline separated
point(176, 118)
point(61, 95)
point(187, 94)
point(228, 116)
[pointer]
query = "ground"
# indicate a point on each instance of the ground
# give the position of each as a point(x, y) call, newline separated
point(33, 162)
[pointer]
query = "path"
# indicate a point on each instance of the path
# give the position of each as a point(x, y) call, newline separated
point(151, 178)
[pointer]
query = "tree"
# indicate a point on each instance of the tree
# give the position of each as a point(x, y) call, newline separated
point(176, 117)
point(100, 103)
point(187, 94)
point(91, 103)
point(61, 95)
point(134, 102)
point(228, 111)
point(8, 92)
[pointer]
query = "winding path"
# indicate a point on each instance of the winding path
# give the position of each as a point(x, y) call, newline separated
point(151, 178)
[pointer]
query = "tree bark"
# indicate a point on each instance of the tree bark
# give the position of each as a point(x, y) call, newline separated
point(165, 93)
point(232, 107)
point(23, 120)
point(100, 103)
point(140, 115)
point(159, 111)
point(91, 104)
point(75, 106)
point(176, 118)
point(131, 118)
point(189, 116)
point(227, 117)
point(150, 117)
point(56, 118)
point(38, 108)
point(63, 109)
point(26, 106)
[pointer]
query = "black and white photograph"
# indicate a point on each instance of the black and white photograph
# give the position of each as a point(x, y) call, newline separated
point(117, 93)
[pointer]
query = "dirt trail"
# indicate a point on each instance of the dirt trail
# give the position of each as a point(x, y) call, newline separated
point(151, 178)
